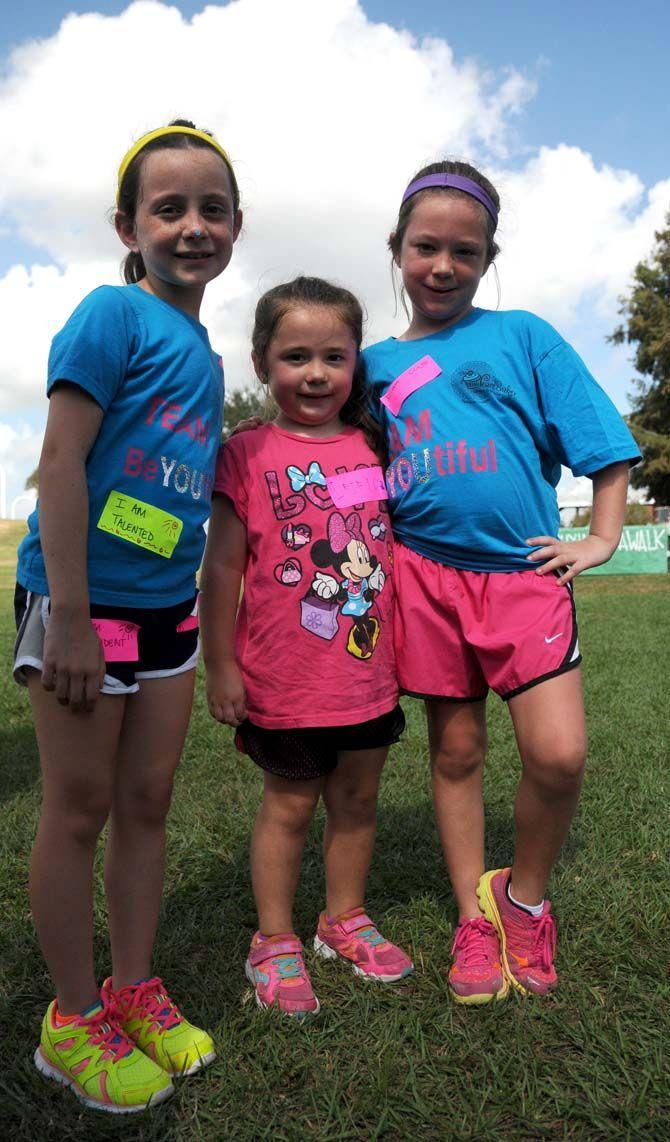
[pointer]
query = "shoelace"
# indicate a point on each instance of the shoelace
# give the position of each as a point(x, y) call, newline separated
point(544, 940)
point(104, 1031)
point(288, 967)
point(471, 940)
point(150, 998)
point(371, 936)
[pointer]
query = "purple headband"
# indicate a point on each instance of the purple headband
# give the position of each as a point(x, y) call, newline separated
point(458, 182)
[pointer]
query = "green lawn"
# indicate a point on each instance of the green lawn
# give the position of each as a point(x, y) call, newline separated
point(397, 1062)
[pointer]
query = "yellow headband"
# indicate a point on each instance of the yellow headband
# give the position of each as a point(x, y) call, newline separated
point(141, 144)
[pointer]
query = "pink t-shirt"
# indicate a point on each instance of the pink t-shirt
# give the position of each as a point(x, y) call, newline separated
point(314, 632)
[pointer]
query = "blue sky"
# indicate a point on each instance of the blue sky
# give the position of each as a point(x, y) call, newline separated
point(568, 105)
point(601, 68)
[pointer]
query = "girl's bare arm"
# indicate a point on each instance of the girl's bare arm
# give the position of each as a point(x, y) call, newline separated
point(73, 662)
point(610, 487)
point(222, 571)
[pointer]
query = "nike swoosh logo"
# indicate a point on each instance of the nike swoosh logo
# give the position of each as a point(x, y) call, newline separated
point(553, 637)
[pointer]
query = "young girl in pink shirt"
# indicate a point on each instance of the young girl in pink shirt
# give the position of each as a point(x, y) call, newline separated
point(305, 670)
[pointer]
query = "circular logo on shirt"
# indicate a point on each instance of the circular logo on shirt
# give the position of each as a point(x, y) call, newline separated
point(475, 381)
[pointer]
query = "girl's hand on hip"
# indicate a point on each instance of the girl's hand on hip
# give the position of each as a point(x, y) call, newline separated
point(226, 696)
point(570, 557)
point(74, 665)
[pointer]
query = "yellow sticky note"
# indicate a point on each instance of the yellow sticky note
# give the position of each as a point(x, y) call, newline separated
point(140, 523)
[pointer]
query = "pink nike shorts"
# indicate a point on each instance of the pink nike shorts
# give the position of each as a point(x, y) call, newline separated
point(457, 633)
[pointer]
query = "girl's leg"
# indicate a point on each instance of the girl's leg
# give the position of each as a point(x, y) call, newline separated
point(151, 744)
point(550, 732)
point(457, 739)
point(152, 739)
point(551, 735)
point(350, 796)
point(77, 753)
point(278, 840)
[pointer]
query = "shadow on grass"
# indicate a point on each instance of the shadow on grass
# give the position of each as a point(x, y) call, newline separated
point(19, 762)
point(209, 916)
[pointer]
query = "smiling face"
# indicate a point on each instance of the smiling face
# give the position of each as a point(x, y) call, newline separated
point(184, 225)
point(442, 258)
point(309, 367)
point(358, 563)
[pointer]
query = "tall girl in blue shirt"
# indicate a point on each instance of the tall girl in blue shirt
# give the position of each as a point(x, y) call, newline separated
point(481, 410)
point(106, 609)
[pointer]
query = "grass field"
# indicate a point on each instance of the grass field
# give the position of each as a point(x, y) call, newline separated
point(401, 1062)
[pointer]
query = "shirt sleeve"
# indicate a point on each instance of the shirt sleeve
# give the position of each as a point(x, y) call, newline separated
point(588, 430)
point(231, 476)
point(94, 348)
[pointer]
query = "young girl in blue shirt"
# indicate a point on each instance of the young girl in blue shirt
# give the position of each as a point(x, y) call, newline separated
point(106, 607)
point(481, 410)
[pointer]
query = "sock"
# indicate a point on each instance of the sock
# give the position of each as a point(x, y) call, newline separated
point(135, 983)
point(331, 919)
point(534, 909)
point(92, 1009)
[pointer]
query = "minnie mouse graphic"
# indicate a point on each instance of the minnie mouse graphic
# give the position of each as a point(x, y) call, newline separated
point(361, 579)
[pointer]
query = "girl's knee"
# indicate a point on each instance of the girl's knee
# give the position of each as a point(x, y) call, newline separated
point(79, 822)
point(146, 804)
point(458, 763)
point(292, 814)
point(357, 803)
point(560, 768)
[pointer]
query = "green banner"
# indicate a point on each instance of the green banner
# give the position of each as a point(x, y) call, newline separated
point(643, 550)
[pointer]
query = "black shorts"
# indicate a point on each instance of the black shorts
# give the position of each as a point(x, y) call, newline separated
point(167, 640)
point(305, 754)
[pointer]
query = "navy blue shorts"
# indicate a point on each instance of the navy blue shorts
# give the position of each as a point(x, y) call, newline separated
point(167, 640)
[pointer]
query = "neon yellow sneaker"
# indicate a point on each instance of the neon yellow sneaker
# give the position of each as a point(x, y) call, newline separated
point(94, 1057)
point(155, 1023)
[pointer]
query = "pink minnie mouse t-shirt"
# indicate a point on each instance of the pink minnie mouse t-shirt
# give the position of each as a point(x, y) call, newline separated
point(314, 632)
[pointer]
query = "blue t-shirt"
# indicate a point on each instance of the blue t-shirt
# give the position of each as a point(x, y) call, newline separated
point(476, 453)
point(151, 369)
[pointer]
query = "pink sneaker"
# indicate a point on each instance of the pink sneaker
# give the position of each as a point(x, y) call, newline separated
point(476, 975)
point(527, 943)
point(354, 937)
point(277, 971)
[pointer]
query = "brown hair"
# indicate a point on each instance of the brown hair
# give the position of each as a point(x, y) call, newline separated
point(448, 166)
point(129, 191)
point(315, 292)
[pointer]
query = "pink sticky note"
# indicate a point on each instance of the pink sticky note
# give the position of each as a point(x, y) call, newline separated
point(357, 487)
point(191, 622)
point(119, 639)
point(408, 382)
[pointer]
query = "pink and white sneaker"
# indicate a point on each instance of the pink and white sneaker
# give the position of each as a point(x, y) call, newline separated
point(276, 968)
point(527, 943)
point(476, 975)
point(354, 938)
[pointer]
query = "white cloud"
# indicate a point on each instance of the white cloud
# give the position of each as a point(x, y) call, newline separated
point(326, 115)
point(571, 230)
point(35, 302)
point(19, 453)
